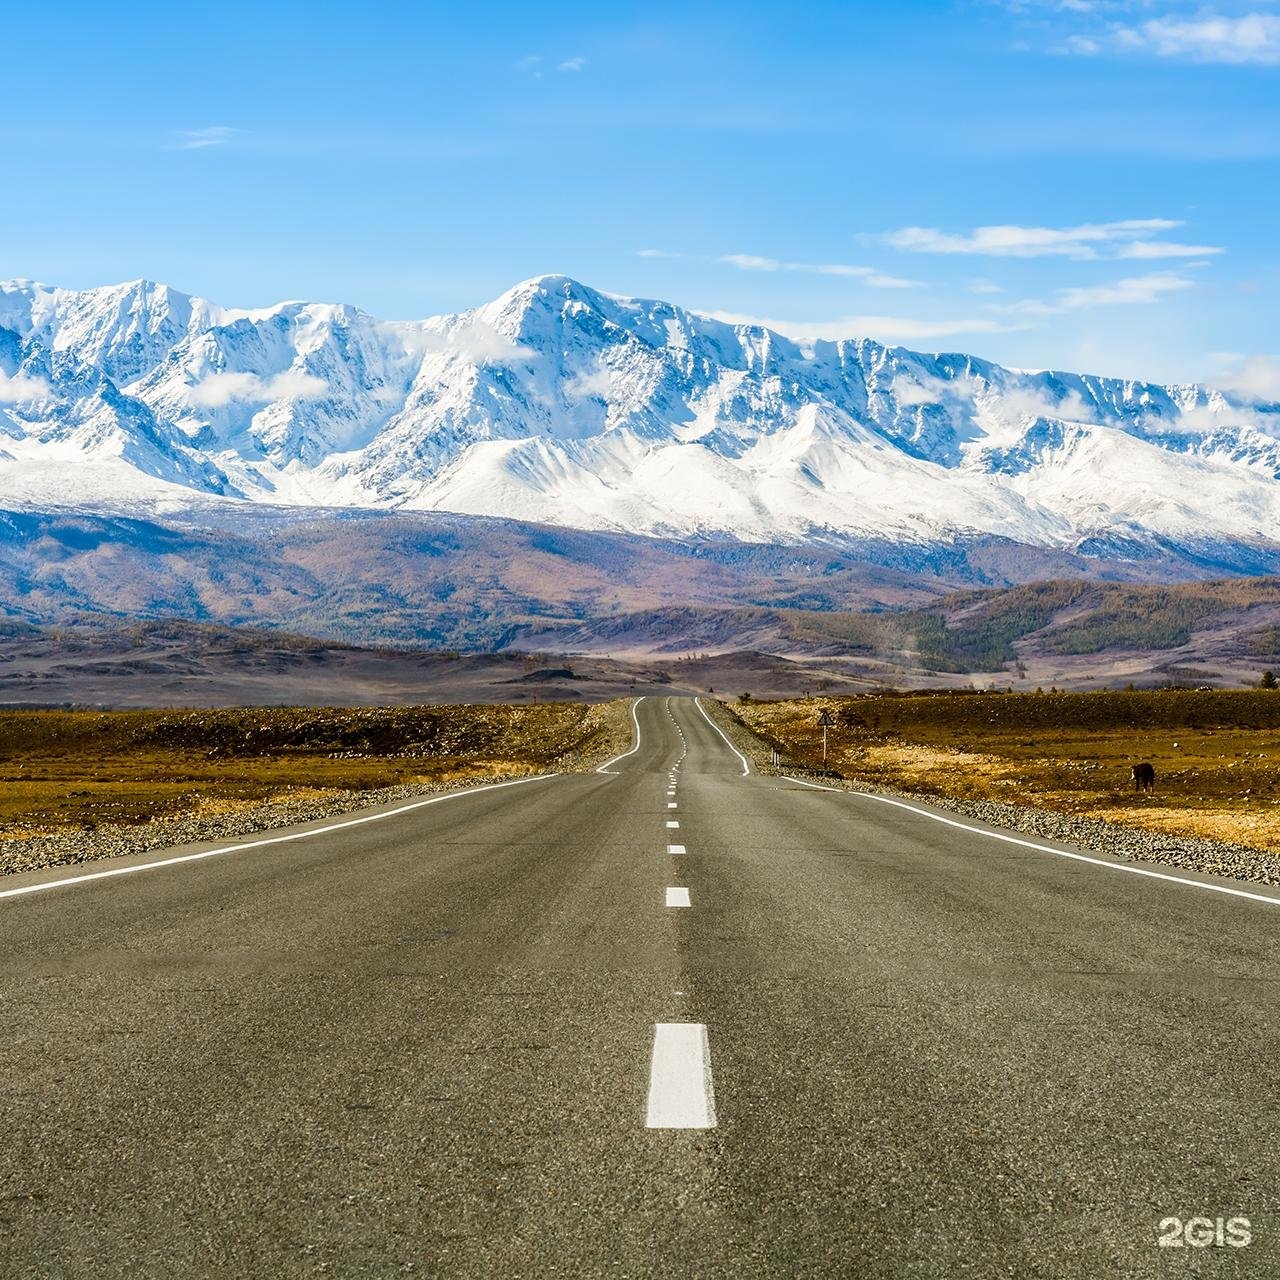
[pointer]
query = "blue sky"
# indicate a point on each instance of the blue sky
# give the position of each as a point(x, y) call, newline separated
point(1076, 185)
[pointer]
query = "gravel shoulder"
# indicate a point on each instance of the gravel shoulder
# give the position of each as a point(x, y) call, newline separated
point(614, 733)
point(1190, 853)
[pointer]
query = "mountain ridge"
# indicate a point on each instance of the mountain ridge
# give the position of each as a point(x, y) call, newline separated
point(558, 403)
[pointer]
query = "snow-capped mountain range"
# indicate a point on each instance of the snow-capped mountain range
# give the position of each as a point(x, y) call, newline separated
point(561, 404)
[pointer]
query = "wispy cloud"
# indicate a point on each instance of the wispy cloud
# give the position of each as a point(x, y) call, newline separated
point(21, 388)
point(1132, 290)
point(750, 262)
point(221, 389)
point(1129, 238)
point(884, 328)
point(534, 62)
point(1206, 37)
point(868, 275)
point(1014, 404)
point(217, 135)
point(1166, 249)
point(471, 340)
point(878, 281)
point(1255, 378)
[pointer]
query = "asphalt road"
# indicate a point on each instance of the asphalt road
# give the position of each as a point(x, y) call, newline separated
point(439, 1043)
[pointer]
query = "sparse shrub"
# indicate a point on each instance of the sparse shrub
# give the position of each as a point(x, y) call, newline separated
point(1268, 680)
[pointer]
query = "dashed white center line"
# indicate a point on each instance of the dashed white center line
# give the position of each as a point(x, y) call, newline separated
point(671, 804)
point(675, 849)
point(673, 825)
point(678, 896)
point(681, 1095)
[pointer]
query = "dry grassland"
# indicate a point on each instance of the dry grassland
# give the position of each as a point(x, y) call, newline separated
point(74, 771)
point(1216, 754)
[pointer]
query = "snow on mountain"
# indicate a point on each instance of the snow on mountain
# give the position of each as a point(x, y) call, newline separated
point(561, 404)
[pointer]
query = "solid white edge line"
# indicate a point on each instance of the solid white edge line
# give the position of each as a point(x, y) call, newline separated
point(635, 719)
point(681, 1093)
point(746, 768)
point(111, 872)
point(1045, 848)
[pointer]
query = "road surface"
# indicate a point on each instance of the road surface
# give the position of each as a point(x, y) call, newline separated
point(518, 1032)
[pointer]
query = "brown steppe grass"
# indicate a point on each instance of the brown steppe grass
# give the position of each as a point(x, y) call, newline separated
point(66, 771)
point(1216, 754)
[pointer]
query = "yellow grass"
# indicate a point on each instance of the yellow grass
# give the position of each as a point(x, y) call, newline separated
point(1217, 779)
point(62, 771)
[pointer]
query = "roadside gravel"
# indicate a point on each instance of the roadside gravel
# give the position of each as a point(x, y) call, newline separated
point(614, 734)
point(1192, 853)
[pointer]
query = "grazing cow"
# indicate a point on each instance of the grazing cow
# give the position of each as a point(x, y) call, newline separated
point(1144, 777)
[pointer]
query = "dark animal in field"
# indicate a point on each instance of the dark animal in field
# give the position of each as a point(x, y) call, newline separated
point(1144, 777)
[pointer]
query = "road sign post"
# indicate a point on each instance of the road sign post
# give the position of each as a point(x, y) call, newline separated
point(826, 722)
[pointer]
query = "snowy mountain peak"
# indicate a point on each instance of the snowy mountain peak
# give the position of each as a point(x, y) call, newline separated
point(564, 404)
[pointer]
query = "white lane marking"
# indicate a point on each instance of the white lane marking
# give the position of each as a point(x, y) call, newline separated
point(681, 1094)
point(604, 768)
point(258, 844)
point(678, 896)
point(675, 850)
point(673, 826)
point(670, 793)
point(1044, 848)
point(746, 768)
point(671, 804)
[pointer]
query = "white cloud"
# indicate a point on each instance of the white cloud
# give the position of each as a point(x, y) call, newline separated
point(1203, 35)
point(217, 135)
point(1015, 404)
point(657, 253)
point(1087, 46)
point(1130, 237)
point(590, 383)
point(1254, 378)
point(294, 384)
point(911, 393)
point(21, 387)
point(1166, 249)
point(832, 269)
point(572, 64)
point(471, 340)
point(869, 275)
point(221, 389)
point(984, 286)
point(1010, 406)
point(750, 262)
point(1129, 291)
point(1209, 37)
point(877, 281)
point(883, 328)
